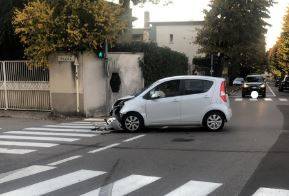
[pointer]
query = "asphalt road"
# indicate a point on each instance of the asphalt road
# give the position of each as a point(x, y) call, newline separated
point(250, 157)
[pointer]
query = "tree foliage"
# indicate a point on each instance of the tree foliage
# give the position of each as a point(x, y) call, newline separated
point(48, 26)
point(10, 46)
point(158, 62)
point(236, 29)
point(279, 54)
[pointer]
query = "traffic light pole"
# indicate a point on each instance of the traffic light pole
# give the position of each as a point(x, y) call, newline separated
point(212, 64)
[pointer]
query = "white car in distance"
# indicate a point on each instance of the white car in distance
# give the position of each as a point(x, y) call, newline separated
point(176, 101)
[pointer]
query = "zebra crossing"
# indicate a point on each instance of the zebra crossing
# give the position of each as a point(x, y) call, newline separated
point(58, 181)
point(32, 139)
point(280, 100)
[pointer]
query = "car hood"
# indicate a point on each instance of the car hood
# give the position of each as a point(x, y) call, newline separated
point(123, 99)
point(126, 98)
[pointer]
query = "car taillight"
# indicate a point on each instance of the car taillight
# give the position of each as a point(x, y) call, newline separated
point(223, 94)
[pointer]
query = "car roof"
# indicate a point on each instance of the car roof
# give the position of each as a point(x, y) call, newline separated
point(188, 77)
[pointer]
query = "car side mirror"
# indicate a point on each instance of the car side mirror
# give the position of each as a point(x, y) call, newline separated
point(156, 95)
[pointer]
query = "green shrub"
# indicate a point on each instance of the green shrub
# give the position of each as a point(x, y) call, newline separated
point(158, 62)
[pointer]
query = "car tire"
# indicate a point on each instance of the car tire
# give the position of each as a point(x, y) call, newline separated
point(214, 121)
point(132, 122)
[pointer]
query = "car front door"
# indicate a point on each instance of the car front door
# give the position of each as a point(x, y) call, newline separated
point(164, 109)
point(196, 98)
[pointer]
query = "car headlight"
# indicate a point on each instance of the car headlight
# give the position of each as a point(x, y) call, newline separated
point(246, 86)
point(263, 86)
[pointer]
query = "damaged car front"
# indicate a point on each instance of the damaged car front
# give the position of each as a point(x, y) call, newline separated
point(117, 106)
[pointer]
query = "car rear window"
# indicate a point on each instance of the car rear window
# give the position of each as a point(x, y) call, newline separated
point(195, 86)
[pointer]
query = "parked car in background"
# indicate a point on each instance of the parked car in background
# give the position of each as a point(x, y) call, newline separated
point(277, 81)
point(284, 84)
point(176, 101)
point(238, 81)
point(254, 83)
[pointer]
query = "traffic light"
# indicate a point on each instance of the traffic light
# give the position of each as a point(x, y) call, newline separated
point(100, 52)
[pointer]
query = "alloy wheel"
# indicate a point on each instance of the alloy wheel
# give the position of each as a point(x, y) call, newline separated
point(214, 121)
point(132, 123)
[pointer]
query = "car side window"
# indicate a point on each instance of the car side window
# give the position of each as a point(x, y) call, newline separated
point(195, 86)
point(167, 89)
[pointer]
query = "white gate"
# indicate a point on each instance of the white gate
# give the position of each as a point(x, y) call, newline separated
point(23, 88)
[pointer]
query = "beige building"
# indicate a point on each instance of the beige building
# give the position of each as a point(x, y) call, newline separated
point(179, 36)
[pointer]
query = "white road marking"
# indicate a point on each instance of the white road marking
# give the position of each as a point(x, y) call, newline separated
point(16, 137)
point(251, 99)
point(15, 151)
point(29, 144)
point(268, 99)
point(271, 90)
point(24, 172)
point(49, 133)
point(75, 127)
point(134, 138)
point(81, 122)
point(283, 99)
point(104, 148)
point(238, 99)
point(54, 184)
point(64, 160)
point(123, 186)
point(94, 120)
point(196, 188)
point(271, 192)
point(58, 130)
point(76, 124)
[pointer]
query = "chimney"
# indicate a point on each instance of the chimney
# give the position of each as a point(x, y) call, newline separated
point(146, 20)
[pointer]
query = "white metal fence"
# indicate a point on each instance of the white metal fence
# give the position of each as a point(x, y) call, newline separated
point(23, 88)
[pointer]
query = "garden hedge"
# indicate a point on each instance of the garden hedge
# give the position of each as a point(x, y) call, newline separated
point(158, 62)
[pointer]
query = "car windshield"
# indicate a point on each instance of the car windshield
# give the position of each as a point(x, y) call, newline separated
point(254, 79)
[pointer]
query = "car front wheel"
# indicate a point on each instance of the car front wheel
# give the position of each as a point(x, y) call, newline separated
point(132, 122)
point(214, 121)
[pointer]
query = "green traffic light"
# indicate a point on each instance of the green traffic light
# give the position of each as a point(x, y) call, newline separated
point(100, 55)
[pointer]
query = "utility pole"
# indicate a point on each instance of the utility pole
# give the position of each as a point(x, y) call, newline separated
point(212, 65)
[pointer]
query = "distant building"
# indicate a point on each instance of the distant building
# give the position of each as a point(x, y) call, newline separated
point(179, 36)
point(142, 34)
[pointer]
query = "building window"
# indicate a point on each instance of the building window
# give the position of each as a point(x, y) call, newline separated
point(171, 38)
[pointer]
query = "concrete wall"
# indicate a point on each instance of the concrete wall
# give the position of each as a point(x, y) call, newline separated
point(96, 96)
point(127, 66)
point(94, 84)
point(62, 86)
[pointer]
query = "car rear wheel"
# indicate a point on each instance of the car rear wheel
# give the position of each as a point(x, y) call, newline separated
point(132, 122)
point(214, 121)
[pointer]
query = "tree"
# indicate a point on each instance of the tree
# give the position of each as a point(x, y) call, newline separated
point(10, 46)
point(236, 29)
point(48, 26)
point(281, 48)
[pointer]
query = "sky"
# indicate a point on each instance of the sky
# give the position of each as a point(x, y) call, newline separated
point(186, 10)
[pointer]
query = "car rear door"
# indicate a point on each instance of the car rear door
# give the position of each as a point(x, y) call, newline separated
point(166, 109)
point(197, 97)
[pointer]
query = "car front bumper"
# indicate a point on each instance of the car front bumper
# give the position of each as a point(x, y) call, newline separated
point(249, 90)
